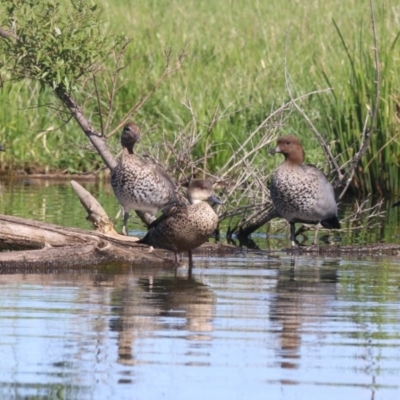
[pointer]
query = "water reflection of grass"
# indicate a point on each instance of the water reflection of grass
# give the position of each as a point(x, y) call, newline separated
point(368, 292)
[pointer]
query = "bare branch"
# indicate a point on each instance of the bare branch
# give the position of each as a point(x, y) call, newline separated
point(97, 93)
point(95, 138)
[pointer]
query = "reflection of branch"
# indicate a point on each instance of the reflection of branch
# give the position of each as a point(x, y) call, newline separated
point(366, 133)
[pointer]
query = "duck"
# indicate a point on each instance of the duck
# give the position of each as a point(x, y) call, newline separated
point(185, 227)
point(139, 184)
point(301, 192)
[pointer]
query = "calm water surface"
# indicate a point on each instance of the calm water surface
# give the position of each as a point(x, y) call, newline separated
point(256, 326)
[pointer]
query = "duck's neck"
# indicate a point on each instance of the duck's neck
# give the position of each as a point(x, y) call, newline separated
point(296, 158)
point(128, 149)
point(194, 201)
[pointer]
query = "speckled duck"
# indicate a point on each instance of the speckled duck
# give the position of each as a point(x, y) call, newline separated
point(185, 227)
point(300, 192)
point(138, 184)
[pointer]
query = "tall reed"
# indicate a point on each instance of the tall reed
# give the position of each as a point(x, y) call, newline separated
point(345, 114)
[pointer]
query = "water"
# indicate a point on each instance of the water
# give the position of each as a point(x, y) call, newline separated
point(257, 325)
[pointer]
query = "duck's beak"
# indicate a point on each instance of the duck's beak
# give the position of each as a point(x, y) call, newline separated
point(277, 149)
point(2, 148)
point(214, 199)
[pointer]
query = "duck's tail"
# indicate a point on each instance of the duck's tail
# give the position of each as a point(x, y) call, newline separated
point(396, 204)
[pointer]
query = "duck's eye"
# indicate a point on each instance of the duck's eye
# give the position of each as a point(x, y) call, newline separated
point(287, 142)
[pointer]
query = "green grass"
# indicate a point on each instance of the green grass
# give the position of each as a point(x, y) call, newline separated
point(235, 62)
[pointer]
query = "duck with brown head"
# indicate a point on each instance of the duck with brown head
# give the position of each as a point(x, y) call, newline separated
point(185, 227)
point(300, 192)
point(138, 184)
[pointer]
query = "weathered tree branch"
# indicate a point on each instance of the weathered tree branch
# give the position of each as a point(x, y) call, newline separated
point(39, 242)
point(97, 140)
point(252, 227)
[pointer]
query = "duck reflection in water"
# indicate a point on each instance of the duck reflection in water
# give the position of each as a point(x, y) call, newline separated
point(301, 298)
point(153, 304)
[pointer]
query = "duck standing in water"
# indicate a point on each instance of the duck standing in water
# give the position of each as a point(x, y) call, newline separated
point(300, 192)
point(138, 184)
point(185, 227)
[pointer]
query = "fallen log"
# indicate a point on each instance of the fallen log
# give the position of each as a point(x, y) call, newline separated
point(29, 243)
point(34, 243)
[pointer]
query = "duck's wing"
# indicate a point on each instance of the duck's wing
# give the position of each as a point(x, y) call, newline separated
point(157, 168)
point(323, 180)
point(175, 211)
point(163, 175)
point(325, 196)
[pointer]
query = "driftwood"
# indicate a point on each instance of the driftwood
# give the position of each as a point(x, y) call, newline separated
point(33, 243)
point(245, 232)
